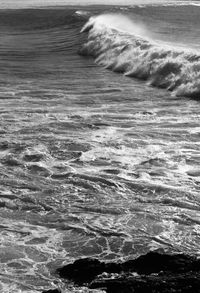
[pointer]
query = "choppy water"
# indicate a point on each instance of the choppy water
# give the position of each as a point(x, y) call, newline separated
point(92, 162)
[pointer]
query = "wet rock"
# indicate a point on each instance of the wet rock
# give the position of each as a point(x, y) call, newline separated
point(154, 262)
point(85, 270)
point(153, 272)
point(164, 283)
point(82, 270)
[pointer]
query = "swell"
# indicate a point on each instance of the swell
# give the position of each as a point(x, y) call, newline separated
point(135, 55)
point(39, 19)
point(31, 33)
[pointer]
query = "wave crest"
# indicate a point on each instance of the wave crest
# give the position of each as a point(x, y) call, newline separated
point(134, 54)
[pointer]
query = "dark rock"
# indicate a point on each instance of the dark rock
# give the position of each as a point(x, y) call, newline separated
point(82, 270)
point(182, 283)
point(85, 270)
point(154, 262)
point(153, 272)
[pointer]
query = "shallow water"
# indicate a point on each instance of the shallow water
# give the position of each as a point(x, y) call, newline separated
point(93, 163)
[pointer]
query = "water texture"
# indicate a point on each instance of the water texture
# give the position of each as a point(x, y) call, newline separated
point(99, 145)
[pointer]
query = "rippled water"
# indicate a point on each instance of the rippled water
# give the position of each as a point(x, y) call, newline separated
point(93, 163)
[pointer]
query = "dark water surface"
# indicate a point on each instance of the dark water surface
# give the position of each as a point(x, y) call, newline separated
point(95, 163)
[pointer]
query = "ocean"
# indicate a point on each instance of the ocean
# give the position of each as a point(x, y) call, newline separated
point(100, 136)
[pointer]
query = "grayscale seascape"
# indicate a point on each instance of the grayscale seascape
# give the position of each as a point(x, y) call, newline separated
point(99, 136)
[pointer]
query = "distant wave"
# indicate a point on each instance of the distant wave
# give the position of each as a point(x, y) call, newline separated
point(134, 54)
point(13, 4)
point(169, 3)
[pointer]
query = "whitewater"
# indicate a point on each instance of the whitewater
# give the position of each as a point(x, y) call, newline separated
point(126, 48)
point(99, 145)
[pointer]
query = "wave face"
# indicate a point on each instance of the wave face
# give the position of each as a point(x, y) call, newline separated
point(127, 48)
point(39, 32)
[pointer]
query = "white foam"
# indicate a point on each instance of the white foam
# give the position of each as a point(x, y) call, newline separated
point(124, 46)
point(116, 21)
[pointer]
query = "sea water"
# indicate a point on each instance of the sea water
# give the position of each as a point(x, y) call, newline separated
point(99, 145)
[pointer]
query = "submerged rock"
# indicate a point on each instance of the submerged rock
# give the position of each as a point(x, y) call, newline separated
point(153, 272)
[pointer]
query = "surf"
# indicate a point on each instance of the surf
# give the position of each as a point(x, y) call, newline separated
point(119, 44)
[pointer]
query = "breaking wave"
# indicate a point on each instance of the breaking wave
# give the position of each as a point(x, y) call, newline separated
point(121, 45)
